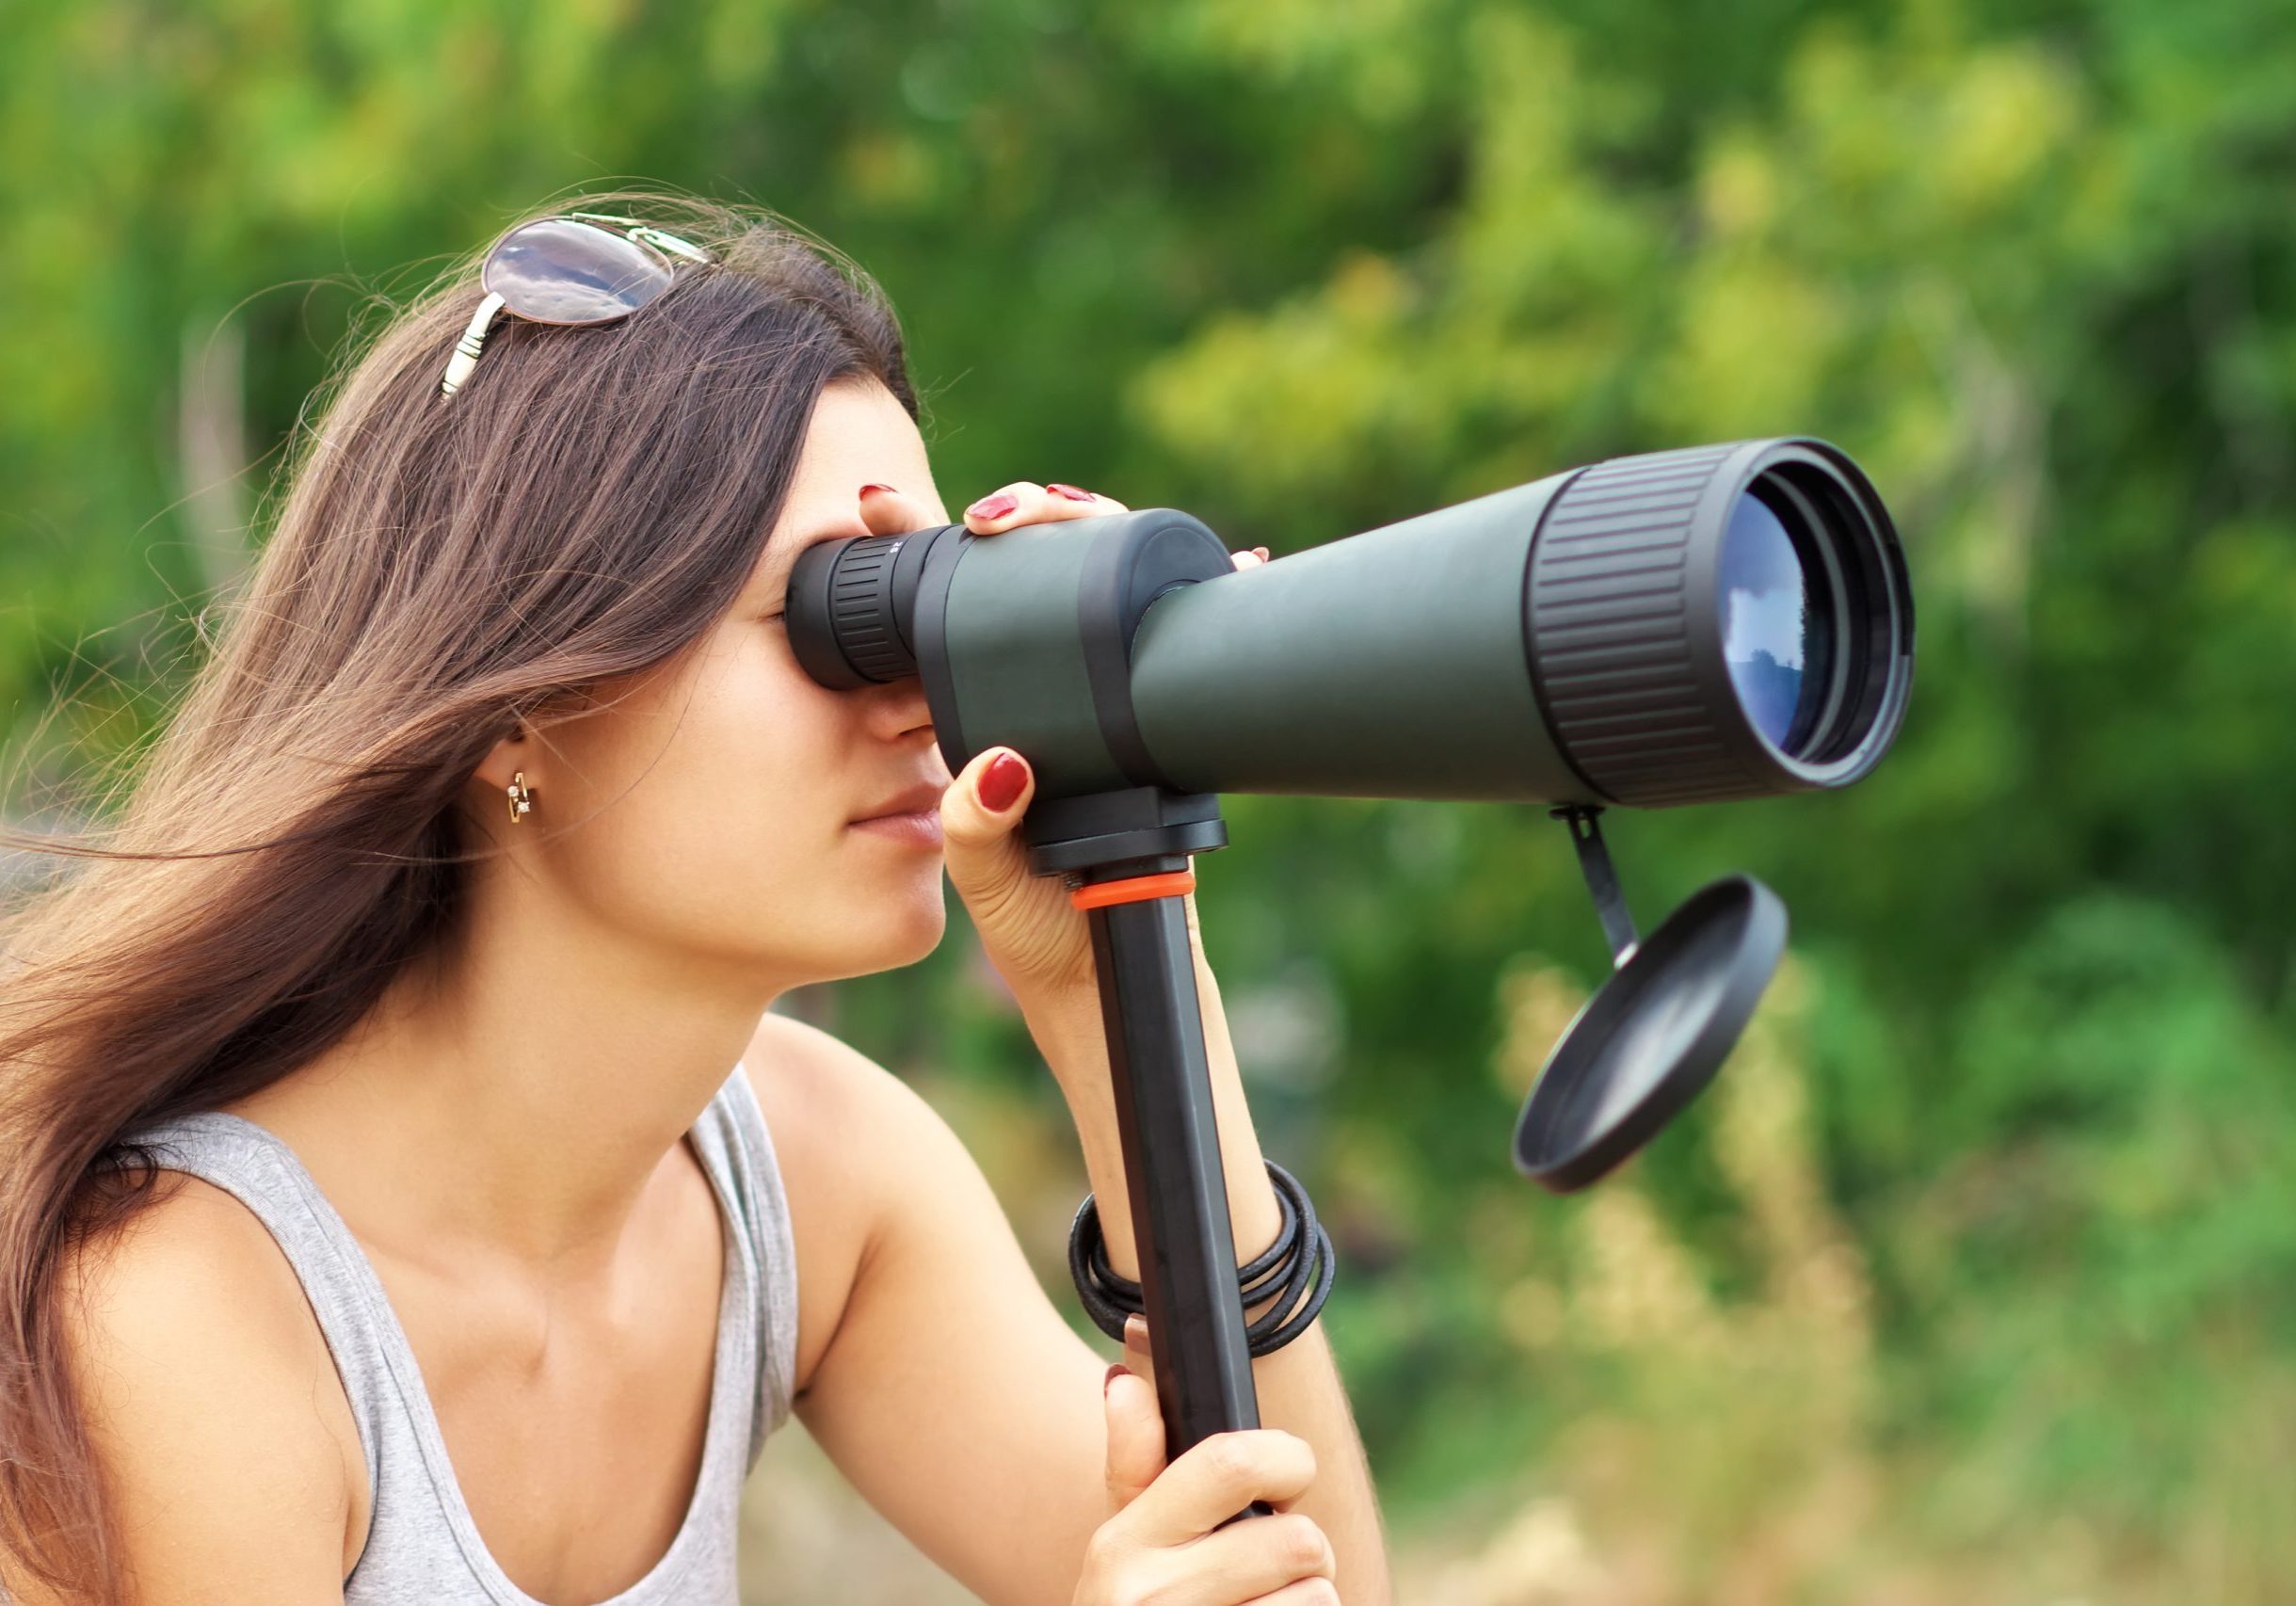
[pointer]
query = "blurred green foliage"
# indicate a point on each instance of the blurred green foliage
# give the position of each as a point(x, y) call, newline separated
point(1305, 268)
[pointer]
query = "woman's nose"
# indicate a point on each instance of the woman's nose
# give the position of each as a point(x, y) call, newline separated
point(898, 707)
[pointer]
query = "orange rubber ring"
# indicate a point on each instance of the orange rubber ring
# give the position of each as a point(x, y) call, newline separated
point(1137, 890)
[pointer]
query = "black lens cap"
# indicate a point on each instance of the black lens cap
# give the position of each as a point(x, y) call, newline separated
point(1653, 1034)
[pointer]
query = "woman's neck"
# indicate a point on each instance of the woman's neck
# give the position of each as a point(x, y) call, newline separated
point(514, 1100)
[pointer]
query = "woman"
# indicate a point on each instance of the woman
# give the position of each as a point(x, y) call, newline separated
point(408, 1197)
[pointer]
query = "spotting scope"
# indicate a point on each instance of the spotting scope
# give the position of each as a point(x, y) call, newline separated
point(1689, 626)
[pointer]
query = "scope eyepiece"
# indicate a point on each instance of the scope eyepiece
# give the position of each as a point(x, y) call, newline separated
point(853, 607)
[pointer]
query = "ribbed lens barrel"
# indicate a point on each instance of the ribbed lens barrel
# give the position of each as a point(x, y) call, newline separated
point(1720, 621)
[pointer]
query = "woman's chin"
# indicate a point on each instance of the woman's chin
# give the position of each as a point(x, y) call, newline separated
point(915, 933)
point(926, 938)
point(881, 933)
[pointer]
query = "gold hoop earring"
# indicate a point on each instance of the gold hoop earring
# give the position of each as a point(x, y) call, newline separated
point(522, 797)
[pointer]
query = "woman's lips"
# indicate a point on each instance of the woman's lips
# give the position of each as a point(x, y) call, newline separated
point(921, 829)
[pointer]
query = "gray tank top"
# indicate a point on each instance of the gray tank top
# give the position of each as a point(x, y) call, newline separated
point(423, 1547)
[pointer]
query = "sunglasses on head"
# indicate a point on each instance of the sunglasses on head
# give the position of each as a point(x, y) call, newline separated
point(583, 268)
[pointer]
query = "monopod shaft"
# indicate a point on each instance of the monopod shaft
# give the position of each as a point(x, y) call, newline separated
point(1172, 1169)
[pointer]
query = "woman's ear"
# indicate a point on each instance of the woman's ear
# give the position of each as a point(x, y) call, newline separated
point(514, 753)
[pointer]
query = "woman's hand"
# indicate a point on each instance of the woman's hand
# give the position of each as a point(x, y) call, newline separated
point(1037, 939)
point(1163, 1540)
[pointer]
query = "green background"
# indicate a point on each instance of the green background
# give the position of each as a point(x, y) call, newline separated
point(1974, 1275)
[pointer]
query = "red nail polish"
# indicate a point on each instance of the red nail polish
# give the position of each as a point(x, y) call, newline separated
point(867, 489)
point(1073, 493)
point(1002, 781)
point(1113, 1372)
point(994, 506)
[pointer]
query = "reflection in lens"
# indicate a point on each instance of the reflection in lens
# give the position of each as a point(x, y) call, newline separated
point(558, 271)
point(1765, 617)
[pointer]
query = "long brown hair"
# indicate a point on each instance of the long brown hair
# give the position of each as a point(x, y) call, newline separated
point(439, 574)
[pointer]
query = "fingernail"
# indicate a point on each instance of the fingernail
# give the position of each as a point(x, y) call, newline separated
point(1073, 493)
point(994, 506)
point(867, 489)
point(1135, 1329)
point(1114, 1372)
point(1002, 781)
point(1263, 552)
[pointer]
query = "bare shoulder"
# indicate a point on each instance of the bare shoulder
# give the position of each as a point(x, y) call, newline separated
point(814, 1081)
point(858, 1150)
point(940, 1303)
point(227, 1446)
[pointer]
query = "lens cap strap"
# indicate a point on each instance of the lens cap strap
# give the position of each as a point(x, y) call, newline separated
point(1602, 877)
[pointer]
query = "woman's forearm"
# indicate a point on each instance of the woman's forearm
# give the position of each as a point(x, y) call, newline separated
point(1298, 1387)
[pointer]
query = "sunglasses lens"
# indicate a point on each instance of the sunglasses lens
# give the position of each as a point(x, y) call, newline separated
point(558, 271)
